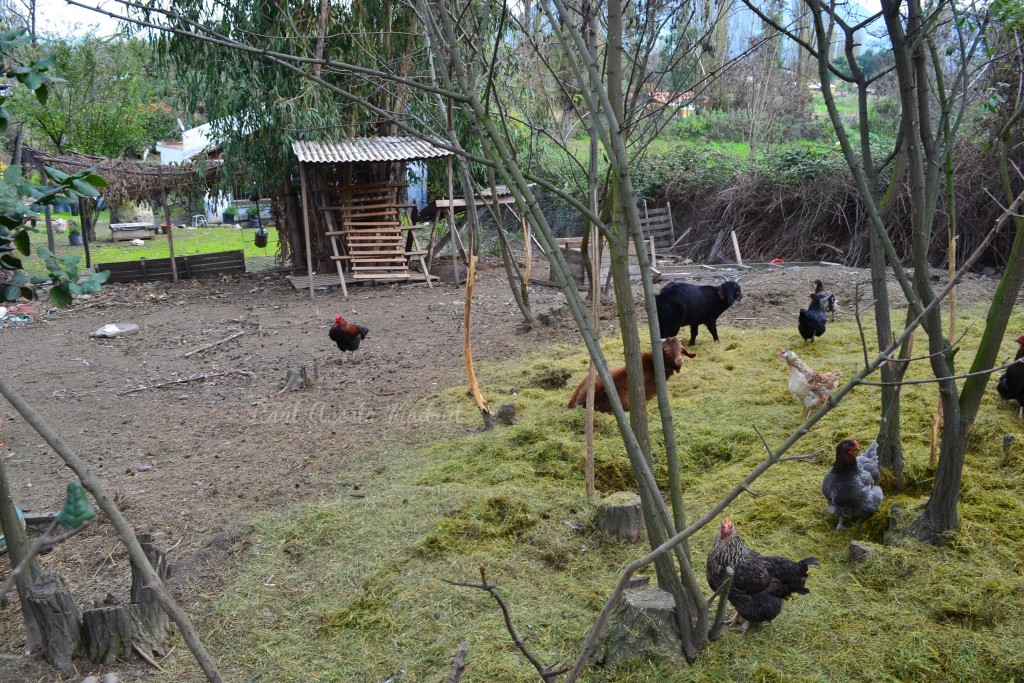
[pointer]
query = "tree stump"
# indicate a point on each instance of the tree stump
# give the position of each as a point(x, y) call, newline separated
point(299, 378)
point(111, 632)
point(619, 515)
point(153, 614)
point(642, 626)
point(58, 620)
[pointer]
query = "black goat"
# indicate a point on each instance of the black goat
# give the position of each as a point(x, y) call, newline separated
point(681, 304)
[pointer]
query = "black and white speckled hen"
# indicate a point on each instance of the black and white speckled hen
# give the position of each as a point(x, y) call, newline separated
point(1011, 384)
point(851, 486)
point(760, 582)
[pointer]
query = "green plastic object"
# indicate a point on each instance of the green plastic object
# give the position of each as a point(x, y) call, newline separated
point(77, 509)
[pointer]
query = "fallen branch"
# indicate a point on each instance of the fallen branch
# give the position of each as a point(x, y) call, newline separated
point(546, 673)
point(460, 662)
point(146, 658)
point(214, 344)
point(188, 380)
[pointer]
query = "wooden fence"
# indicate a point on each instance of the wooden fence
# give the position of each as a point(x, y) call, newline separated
point(199, 265)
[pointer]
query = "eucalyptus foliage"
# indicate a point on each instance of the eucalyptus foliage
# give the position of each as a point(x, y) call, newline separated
point(256, 107)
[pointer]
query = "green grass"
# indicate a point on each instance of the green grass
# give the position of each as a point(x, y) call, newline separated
point(358, 582)
point(186, 243)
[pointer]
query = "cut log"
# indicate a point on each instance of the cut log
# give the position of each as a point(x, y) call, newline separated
point(58, 619)
point(110, 632)
point(153, 615)
point(117, 632)
point(643, 626)
point(619, 516)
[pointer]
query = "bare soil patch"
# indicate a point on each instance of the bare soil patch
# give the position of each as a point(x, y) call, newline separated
point(191, 463)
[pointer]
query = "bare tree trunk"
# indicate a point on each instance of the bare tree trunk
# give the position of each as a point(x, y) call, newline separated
point(321, 34)
point(17, 547)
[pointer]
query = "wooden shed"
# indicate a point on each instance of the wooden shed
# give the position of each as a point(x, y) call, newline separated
point(353, 197)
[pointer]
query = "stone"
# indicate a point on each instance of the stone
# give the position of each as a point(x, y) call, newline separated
point(506, 414)
point(860, 551)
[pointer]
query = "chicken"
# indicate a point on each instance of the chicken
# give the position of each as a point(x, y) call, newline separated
point(346, 335)
point(811, 389)
point(827, 298)
point(672, 350)
point(851, 486)
point(811, 322)
point(760, 583)
point(1011, 384)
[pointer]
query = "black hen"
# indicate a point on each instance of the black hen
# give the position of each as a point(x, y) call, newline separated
point(760, 582)
point(851, 486)
point(827, 299)
point(346, 335)
point(1011, 384)
point(812, 320)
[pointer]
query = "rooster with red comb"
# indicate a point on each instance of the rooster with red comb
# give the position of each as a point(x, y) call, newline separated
point(347, 336)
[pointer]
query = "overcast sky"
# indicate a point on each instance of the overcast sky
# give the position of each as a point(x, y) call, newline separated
point(56, 16)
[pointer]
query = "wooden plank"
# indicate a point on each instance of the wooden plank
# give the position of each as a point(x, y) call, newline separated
point(360, 207)
point(379, 276)
point(360, 266)
point(225, 262)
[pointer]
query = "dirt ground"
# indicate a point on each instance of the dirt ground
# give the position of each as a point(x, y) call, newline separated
point(192, 461)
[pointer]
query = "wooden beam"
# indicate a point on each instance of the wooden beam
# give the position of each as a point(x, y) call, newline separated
point(167, 222)
point(305, 227)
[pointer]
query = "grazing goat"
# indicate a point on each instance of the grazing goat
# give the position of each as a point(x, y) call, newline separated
point(681, 304)
point(673, 351)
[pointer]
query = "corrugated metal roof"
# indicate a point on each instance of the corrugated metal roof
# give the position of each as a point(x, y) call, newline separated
point(366, 149)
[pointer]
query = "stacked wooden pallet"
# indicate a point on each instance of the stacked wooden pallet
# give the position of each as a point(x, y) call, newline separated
point(371, 232)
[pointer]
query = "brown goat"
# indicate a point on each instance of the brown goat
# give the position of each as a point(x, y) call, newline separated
point(673, 351)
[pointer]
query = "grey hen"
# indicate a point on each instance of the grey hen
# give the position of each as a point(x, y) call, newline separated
point(851, 486)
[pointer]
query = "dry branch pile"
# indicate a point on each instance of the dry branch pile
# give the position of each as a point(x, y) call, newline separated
point(133, 180)
point(821, 218)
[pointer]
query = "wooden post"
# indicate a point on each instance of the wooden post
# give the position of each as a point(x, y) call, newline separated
point(528, 245)
point(51, 243)
point(167, 222)
point(736, 247)
point(453, 230)
point(304, 183)
point(83, 213)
